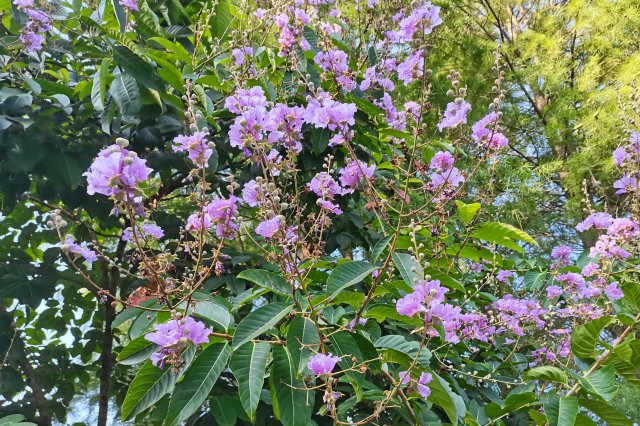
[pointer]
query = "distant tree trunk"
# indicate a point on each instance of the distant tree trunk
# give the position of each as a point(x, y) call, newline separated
point(106, 365)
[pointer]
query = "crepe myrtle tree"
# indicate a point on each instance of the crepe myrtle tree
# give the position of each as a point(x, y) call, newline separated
point(277, 234)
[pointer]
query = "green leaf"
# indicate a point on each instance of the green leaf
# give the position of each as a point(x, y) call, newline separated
point(125, 92)
point(445, 398)
point(268, 280)
point(303, 340)
point(547, 373)
point(138, 350)
point(601, 383)
point(178, 50)
point(221, 21)
point(379, 248)
point(213, 313)
point(411, 348)
point(248, 365)
point(99, 88)
point(259, 321)
point(502, 234)
point(293, 405)
point(534, 280)
point(606, 412)
point(585, 337)
point(121, 16)
point(410, 270)
point(138, 68)
point(198, 381)
point(561, 411)
point(345, 275)
point(150, 384)
point(467, 211)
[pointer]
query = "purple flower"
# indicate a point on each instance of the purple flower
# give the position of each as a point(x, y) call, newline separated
point(268, 228)
point(23, 3)
point(149, 230)
point(455, 114)
point(503, 276)
point(284, 125)
point(130, 4)
point(71, 247)
point(562, 255)
point(442, 161)
point(223, 214)
point(423, 381)
point(333, 61)
point(240, 54)
point(328, 205)
point(626, 184)
point(590, 269)
point(173, 337)
point(250, 193)
point(248, 129)
point(411, 68)
point(260, 13)
point(422, 20)
point(613, 292)
point(623, 228)
point(324, 186)
point(114, 170)
point(32, 41)
point(354, 171)
point(246, 99)
point(619, 156)
point(411, 304)
point(485, 133)
point(196, 145)
point(323, 364)
point(404, 377)
point(198, 221)
point(607, 247)
point(554, 291)
point(444, 184)
point(598, 220)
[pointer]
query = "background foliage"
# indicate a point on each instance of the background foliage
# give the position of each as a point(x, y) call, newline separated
point(570, 72)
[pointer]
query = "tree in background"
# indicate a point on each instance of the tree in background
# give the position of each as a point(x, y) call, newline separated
point(200, 195)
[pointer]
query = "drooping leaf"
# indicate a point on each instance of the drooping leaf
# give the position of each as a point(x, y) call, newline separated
point(410, 348)
point(198, 381)
point(585, 337)
point(152, 383)
point(601, 383)
point(303, 341)
point(445, 398)
point(547, 373)
point(410, 269)
point(138, 350)
point(248, 365)
point(561, 411)
point(259, 321)
point(268, 280)
point(293, 404)
point(345, 275)
point(606, 412)
point(467, 211)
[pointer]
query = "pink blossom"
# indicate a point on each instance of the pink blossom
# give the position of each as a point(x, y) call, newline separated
point(268, 228)
point(322, 364)
point(354, 172)
point(455, 114)
point(114, 170)
point(196, 145)
point(71, 247)
point(174, 336)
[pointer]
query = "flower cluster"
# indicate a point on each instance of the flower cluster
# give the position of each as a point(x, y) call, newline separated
point(486, 134)
point(173, 337)
point(221, 213)
point(38, 23)
point(196, 145)
point(143, 231)
point(445, 179)
point(627, 157)
point(116, 171)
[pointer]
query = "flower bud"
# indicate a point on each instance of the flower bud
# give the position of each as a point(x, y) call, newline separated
point(122, 142)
